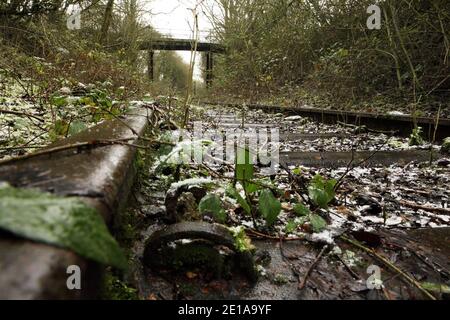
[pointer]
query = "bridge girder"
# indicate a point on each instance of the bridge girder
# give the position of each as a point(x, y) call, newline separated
point(180, 45)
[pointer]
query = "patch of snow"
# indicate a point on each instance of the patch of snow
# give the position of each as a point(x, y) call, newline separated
point(322, 237)
point(396, 113)
point(191, 182)
point(393, 221)
point(336, 250)
point(293, 118)
point(373, 219)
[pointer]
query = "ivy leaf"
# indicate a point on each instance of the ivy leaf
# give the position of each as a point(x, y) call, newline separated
point(212, 204)
point(233, 193)
point(269, 206)
point(301, 210)
point(317, 222)
point(63, 222)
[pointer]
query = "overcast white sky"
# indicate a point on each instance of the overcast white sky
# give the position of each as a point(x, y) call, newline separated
point(173, 17)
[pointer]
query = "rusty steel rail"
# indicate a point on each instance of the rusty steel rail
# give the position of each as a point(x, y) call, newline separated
point(401, 124)
point(101, 177)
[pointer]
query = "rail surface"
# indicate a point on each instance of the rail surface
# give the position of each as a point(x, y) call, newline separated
point(101, 177)
point(402, 124)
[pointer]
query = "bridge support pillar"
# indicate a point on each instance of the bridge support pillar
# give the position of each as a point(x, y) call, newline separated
point(151, 65)
point(209, 68)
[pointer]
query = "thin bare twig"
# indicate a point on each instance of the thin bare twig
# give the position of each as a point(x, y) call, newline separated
point(22, 114)
point(302, 283)
point(350, 166)
point(256, 234)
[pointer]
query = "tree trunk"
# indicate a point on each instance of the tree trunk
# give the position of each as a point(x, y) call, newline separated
point(106, 21)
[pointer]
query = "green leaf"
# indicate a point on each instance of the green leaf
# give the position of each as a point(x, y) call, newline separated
point(213, 205)
point(88, 101)
point(416, 139)
point(321, 191)
point(301, 210)
point(319, 197)
point(242, 242)
point(297, 171)
point(445, 148)
point(59, 101)
point(63, 222)
point(251, 188)
point(317, 222)
point(233, 193)
point(291, 226)
point(436, 287)
point(77, 127)
point(244, 166)
point(269, 206)
point(60, 129)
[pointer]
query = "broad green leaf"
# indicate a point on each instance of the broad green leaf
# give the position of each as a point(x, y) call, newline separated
point(321, 191)
point(233, 193)
point(291, 226)
point(60, 129)
point(63, 222)
point(319, 197)
point(244, 166)
point(213, 205)
point(317, 222)
point(87, 101)
point(297, 171)
point(301, 210)
point(59, 101)
point(251, 188)
point(269, 206)
point(77, 127)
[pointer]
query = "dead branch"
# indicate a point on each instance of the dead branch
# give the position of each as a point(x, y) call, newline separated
point(390, 265)
point(256, 234)
point(348, 268)
point(302, 284)
point(416, 206)
point(21, 114)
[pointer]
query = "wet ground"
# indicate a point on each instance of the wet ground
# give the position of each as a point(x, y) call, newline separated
point(387, 234)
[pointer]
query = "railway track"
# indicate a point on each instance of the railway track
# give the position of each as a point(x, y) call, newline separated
point(386, 169)
point(338, 276)
point(401, 123)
